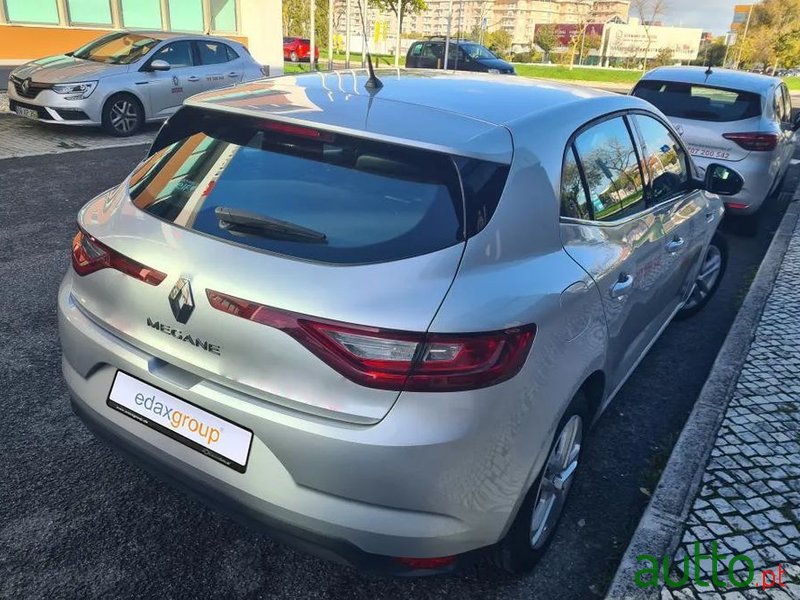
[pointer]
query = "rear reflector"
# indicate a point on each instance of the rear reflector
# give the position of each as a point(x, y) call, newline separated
point(426, 563)
point(754, 141)
point(90, 255)
point(396, 360)
point(736, 205)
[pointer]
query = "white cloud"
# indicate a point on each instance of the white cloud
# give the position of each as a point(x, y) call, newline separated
point(709, 15)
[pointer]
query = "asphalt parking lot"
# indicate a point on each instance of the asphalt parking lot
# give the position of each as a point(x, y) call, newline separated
point(76, 521)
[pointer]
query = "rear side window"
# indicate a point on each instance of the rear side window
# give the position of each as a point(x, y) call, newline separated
point(213, 53)
point(310, 194)
point(611, 170)
point(699, 102)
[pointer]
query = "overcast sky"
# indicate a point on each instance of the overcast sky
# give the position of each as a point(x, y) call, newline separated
point(709, 15)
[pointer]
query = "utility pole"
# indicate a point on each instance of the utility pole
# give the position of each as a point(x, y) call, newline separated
point(447, 39)
point(744, 36)
point(330, 35)
point(399, 27)
point(312, 40)
point(347, 34)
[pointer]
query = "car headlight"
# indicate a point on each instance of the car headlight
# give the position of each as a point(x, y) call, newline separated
point(493, 71)
point(75, 91)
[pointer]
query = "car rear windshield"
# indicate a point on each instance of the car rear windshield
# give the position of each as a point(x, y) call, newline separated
point(311, 194)
point(117, 49)
point(699, 102)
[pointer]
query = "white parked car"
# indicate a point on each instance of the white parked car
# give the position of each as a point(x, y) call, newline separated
point(125, 79)
point(736, 118)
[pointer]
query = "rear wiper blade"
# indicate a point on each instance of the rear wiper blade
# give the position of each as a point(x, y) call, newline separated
point(243, 222)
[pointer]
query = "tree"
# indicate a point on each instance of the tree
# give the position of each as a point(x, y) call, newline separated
point(649, 12)
point(712, 53)
point(545, 37)
point(665, 56)
point(296, 15)
point(410, 7)
point(499, 41)
point(778, 23)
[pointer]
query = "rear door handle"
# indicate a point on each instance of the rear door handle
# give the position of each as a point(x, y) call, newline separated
point(193, 78)
point(623, 286)
point(675, 245)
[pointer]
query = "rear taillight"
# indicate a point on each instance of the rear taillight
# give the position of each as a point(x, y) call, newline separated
point(755, 142)
point(90, 255)
point(396, 360)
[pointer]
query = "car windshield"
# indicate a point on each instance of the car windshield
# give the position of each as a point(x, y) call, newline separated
point(117, 49)
point(699, 102)
point(310, 194)
point(477, 51)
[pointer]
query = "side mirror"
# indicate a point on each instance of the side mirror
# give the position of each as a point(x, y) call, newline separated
point(159, 65)
point(722, 181)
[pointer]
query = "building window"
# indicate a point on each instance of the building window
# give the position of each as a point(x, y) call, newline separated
point(223, 15)
point(32, 11)
point(89, 12)
point(141, 14)
point(186, 15)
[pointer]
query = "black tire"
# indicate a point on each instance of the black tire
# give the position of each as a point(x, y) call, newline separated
point(123, 115)
point(516, 553)
point(696, 303)
point(293, 56)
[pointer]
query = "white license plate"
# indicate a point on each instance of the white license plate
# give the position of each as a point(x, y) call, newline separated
point(184, 422)
point(28, 113)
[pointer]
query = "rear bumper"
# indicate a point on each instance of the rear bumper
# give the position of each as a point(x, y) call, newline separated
point(414, 485)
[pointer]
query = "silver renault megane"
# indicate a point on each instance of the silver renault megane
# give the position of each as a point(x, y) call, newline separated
point(378, 321)
point(127, 78)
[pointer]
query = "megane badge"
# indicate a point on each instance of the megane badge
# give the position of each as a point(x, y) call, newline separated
point(181, 301)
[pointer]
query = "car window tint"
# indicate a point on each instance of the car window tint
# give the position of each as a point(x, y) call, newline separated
point(373, 201)
point(574, 202)
point(230, 52)
point(212, 53)
point(177, 54)
point(611, 168)
point(663, 158)
point(787, 104)
point(416, 49)
point(699, 102)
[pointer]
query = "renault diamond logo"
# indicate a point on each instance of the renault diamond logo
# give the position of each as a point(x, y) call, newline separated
point(181, 301)
point(26, 85)
point(175, 80)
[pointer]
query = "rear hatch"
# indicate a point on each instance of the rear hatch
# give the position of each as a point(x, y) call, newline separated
point(710, 119)
point(236, 233)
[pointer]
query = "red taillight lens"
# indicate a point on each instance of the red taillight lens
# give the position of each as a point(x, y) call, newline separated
point(426, 563)
point(298, 131)
point(90, 255)
point(397, 360)
point(755, 142)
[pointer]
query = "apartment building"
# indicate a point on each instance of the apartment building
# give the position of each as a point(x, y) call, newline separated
point(518, 17)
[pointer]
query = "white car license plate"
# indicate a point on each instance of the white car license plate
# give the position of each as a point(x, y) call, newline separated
point(184, 422)
point(28, 113)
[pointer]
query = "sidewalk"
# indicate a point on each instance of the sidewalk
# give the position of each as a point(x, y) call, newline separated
point(732, 485)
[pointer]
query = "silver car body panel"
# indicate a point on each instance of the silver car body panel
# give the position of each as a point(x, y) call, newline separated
point(408, 474)
point(762, 171)
point(158, 92)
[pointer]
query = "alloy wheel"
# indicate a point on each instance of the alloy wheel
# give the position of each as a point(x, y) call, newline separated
point(124, 116)
point(556, 481)
point(706, 279)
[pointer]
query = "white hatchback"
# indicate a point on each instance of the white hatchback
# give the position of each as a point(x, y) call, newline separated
point(730, 117)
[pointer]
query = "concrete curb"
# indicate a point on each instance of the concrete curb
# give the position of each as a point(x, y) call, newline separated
point(661, 526)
